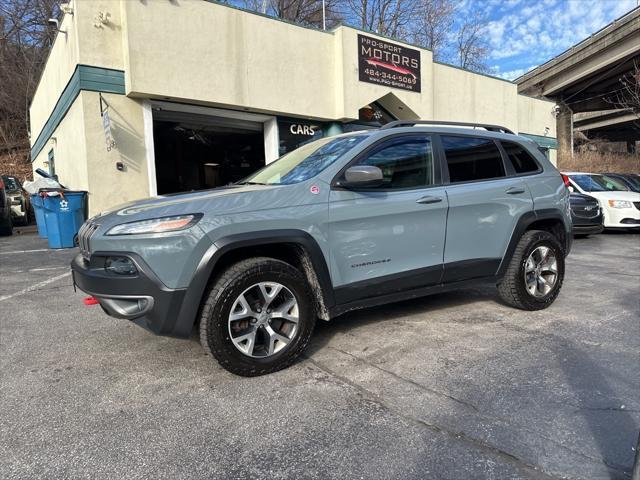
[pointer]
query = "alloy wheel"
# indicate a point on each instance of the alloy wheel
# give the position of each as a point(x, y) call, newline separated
point(263, 319)
point(541, 271)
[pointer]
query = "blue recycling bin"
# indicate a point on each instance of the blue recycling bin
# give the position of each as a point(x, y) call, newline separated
point(64, 215)
point(38, 209)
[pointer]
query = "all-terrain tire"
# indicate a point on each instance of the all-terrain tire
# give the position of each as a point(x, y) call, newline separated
point(512, 288)
point(220, 298)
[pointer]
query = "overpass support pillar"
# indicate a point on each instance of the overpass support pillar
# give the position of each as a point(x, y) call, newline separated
point(564, 130)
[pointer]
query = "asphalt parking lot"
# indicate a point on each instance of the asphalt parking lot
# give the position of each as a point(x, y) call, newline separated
point(454, 386)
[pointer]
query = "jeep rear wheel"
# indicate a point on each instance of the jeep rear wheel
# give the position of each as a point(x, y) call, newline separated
point(535, 273)
point(257, 317)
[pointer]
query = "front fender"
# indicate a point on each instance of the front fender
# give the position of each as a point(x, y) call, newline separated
point(207, 266)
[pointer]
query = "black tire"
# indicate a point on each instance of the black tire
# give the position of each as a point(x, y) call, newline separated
point(219, 299)
point(512, 288)
point(7, 228)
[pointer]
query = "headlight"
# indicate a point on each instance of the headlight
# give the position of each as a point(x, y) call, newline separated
point(620, 204)
point(156, 225)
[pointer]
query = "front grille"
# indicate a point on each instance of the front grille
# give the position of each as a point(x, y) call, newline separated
point(586, 212)
point(84, 237)
point(637, 204)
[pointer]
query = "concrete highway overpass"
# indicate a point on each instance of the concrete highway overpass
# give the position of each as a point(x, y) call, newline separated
point(585, 82)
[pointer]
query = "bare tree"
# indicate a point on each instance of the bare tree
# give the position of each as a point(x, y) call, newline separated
point(25, 40)
point(628, 94)
point(391, 18)
point(304, 12)
point(472, 50)
point(434, 24)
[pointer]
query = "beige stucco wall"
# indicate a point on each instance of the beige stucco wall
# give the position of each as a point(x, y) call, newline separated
point(100, 47)
point(81, 158)
point(69, 149)
point(460, 95)
point(60, 65)
point(127, 128)
point(101, 43)
point(534, 115)
point(213, 54)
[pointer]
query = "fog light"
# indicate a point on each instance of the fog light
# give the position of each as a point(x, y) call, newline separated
point(120, 266)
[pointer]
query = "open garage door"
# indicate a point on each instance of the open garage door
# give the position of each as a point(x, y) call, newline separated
point(196, 151)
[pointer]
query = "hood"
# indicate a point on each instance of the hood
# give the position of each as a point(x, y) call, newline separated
point(616, 195)
point(582, 199)
point(219, 201)
point(174, 200)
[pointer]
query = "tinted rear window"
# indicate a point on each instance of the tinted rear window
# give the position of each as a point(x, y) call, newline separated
point(471, 158)
point(521, 160)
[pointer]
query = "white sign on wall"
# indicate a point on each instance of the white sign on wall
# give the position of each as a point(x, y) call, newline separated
point(106, 125)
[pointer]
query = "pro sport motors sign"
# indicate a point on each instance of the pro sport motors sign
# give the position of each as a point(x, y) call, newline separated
point(388, 64)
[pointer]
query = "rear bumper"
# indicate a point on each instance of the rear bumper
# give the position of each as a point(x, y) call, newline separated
point(141, 298)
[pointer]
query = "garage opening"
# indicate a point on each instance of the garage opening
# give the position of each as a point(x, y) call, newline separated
point(196, 152)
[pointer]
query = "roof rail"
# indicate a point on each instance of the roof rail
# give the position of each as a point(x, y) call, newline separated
point(411, 123)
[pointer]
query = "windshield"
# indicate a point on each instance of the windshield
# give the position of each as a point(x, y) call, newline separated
point(598, 183)
point(10, 184)
point(304, 162)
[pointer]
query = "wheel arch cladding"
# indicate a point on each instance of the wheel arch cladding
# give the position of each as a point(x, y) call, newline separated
point(549, 220)
point(295, 247)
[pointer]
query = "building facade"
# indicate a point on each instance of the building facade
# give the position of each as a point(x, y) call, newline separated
point(141, 98)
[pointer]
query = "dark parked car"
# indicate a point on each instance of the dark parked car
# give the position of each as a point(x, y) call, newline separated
point(631, 181)
point(19, 201)
point(6, 226)
point(586, 215)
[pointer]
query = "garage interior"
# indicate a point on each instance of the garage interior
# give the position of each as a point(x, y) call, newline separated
point(197, 152)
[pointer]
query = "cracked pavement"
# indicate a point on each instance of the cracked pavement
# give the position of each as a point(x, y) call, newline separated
point(445, 387)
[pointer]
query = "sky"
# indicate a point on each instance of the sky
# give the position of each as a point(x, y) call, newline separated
point(525, 33)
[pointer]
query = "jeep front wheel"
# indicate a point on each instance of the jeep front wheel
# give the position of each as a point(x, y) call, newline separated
point(257, 317)
point(535, 273)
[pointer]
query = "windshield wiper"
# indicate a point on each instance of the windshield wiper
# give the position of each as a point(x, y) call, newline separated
point(250, 183)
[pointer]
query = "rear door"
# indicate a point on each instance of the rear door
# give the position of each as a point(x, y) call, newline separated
point(486, 199)
point(389, 238)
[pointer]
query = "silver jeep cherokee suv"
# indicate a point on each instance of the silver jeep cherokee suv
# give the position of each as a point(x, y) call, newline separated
point(341, 223)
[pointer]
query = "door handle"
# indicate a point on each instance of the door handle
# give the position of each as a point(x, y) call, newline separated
point(515, 190)
point(429, 199)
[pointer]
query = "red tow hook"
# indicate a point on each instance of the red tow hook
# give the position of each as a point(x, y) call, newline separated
point(90, 301)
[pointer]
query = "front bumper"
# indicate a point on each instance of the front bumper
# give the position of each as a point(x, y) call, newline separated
point(622, 218)
point(141, 298)
point(586, 225)
point(587, 229)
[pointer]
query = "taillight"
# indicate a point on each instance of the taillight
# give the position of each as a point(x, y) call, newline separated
point(1, 184)
point(565, 179)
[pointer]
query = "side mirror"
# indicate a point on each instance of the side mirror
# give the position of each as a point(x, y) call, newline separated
point(571, 189)
point(362, 176)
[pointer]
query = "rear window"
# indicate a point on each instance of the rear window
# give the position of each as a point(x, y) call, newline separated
point(521, 160)
point(471, 158)
point(10, 184)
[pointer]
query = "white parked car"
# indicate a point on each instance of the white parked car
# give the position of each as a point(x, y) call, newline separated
point(620, 206)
